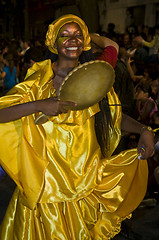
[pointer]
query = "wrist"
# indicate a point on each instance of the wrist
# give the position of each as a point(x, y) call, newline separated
point(146, 128)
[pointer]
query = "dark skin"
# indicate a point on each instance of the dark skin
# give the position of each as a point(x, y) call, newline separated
point(69, 44)
point(67, 60)
point(146, 139)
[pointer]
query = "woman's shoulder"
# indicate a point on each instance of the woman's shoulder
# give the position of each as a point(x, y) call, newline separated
point(42, 64)
point(38, 68)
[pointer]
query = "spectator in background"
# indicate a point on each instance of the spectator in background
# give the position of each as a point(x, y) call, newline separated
point(131, 67)
point(145, 105)
point(3, 49)
point(123, 85)
point(151, 44)
point(155, 90)
point(140, 55)
point(32, 55)
point(111, 32)
point(145, 32)
point(127, 41)
point(9, 73)
point(26, 46)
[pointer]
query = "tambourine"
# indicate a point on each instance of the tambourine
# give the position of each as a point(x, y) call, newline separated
point(85, 85)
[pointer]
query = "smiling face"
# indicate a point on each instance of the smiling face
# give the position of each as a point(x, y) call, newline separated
point(69, 41)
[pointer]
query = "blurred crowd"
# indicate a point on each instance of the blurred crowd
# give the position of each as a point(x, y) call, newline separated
point(137, 85)
point(16, 56)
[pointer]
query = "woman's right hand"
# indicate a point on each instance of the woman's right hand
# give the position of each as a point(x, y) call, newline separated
point(53, 107)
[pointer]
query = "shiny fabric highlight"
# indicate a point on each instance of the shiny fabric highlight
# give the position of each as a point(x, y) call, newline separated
point(64, 189)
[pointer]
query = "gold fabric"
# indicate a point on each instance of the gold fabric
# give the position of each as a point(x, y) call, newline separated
point(55, 26)
point(64, 189)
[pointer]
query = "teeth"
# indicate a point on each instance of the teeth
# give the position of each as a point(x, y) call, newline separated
point(72, 48)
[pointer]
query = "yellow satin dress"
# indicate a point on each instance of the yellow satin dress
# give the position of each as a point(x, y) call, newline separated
point(65, 190)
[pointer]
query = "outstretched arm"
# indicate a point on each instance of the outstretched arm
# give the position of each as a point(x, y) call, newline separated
point(139, 39)
point(134, 77)
point(16, 112)
point(49, 107)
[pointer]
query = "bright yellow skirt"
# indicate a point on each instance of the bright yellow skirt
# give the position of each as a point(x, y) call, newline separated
point(122, 186)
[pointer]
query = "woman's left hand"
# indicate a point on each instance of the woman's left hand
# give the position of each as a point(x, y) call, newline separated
point(146, 145)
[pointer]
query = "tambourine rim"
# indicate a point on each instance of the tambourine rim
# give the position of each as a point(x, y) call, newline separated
point(67, 77)
point(81, 66)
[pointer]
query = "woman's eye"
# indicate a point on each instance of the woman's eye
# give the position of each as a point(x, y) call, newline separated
point(79, 35)
point(64, 35)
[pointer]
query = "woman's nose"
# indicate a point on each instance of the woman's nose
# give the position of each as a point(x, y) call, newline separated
point(73, 39)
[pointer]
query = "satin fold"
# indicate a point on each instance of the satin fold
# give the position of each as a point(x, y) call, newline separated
point(64, 189)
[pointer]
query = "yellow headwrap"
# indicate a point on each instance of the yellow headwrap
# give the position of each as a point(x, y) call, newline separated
point(56, 25)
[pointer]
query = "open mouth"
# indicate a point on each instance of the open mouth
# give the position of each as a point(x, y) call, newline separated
point(72, 48)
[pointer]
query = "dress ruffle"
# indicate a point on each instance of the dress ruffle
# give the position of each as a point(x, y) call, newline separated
point(97, 216)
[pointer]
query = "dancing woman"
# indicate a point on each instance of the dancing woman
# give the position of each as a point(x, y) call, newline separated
point(68, 184)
